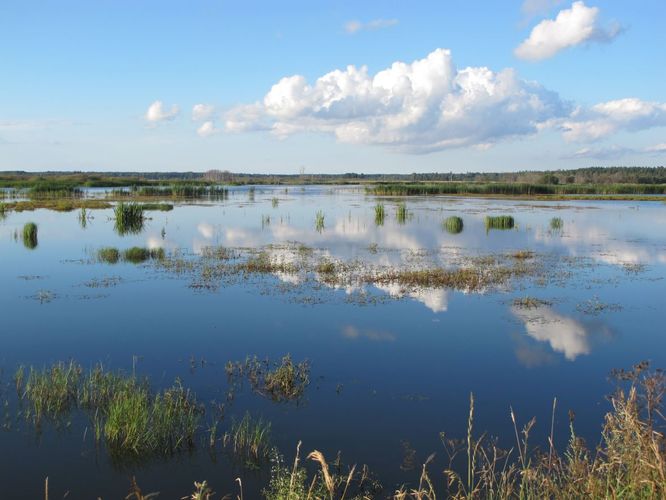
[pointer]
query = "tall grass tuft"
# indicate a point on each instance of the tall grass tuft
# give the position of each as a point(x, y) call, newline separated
point(129, 218)
point(556, 224)
point(380, 214)
point(453, 225)
point(499, 222)
point(30, 235)
point(401, 213)
point(249, 440)
point(319, 221)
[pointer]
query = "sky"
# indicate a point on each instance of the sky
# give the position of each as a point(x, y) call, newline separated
point(331, 86)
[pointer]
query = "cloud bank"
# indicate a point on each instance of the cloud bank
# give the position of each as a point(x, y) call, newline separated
point(423, 106)
point(574, 26)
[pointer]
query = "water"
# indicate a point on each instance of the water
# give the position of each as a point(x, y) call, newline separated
point(391, 367)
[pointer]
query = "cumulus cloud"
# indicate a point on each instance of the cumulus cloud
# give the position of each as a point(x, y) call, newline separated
point(574, 26)
point(202, 112)
point(352, 27)
point(158, 113)
point(207, 129)
point(422, 106)
point(606, 118)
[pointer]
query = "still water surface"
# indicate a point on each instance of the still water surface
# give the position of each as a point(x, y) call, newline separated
point(391, 368)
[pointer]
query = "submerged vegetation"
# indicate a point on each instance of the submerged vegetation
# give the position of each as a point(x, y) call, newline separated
point(283, 381)
point(30, 235)
point(499, 222)
point(453, 225)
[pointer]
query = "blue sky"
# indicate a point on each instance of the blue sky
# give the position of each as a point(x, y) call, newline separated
point(111, 85)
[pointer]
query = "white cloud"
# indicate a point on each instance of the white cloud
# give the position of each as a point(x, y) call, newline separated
point(355, 26)
point(574, 26)
point(207, 129)
point(607, 153)
point(606, 118)
point(157, 113)
point(202, 112)
point(422, 106)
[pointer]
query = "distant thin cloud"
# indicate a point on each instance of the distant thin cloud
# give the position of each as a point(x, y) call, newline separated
point(202, 112)
point(354, 26)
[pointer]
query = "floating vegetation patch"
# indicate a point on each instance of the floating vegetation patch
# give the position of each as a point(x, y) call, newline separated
point(401, 213)
point(129, 218)
point(156, 207)
point(30, 235)
point(249, 440)
point(595, 307)
point(58, 205)
point(453, 225)
point(523, 254)
point(280, 381)
point(218, 253)
point(380, 214)
point(499, 222)
point(528, 302)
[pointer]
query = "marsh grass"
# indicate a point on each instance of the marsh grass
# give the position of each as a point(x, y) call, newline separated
point(134, 255)
point(30, 235)
point(499, 222)
point(281, 382)
point(523, 255)
point(401, 213)
point(249, 440)
point(275, 202)
point(556, 224)
point(319, 221)
point(453, 225)
point(3, 210)
point(380, 214)
point(129, 218)
point(126, 415)
point(58, 205)
point(528, 302)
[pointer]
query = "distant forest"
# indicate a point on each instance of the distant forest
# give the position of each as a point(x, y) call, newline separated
point(590, 175)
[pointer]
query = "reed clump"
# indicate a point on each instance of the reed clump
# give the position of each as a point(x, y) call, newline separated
point(134, 255)
point(319, 221)
point(30, 235)
point(556, 224)
point(499, 222)
point(249, 439)
point(109, 255)
point(380, 214)
point(453, 225)
point(528, 302)
point(129, 218)
point(401, 213)
point(126, 415)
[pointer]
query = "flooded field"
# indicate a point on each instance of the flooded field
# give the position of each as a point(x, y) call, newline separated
point(392, 312)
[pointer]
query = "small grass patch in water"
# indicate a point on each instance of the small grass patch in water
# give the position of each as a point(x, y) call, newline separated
point(275, 202)
point(523, 254)
point(109, 255)
point(30, 235)
point(51, 392)
point(528, 302)
point(556, 224)
point(281, 382)
point(319, 221)
point(249, 440)
point(134, 255)
point(499, 222)
point(401, 213)
point(129, 218)
point(380, 214)
point(453, 225)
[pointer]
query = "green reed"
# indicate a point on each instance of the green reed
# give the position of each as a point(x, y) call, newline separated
point(453, 224)
point(30, 235)
point(499, 222)
point(380, 214)
point(319, 221)
point(556, 224)
point(129, 218)
point(249, 440)
point(401, 213)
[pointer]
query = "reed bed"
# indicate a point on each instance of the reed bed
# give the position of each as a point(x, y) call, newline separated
point(513, 189)
point(30, 235)
point(499, 222)
point(176, 191)
point(453, 225)
point(126, 416)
